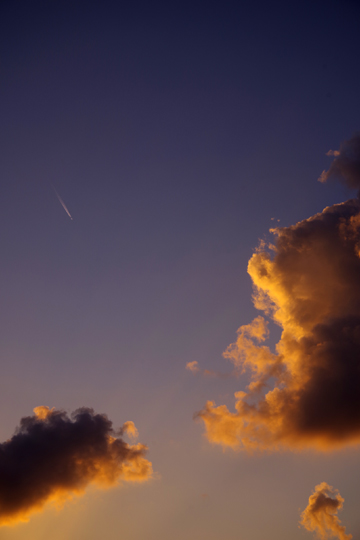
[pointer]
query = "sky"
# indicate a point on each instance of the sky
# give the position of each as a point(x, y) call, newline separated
point(147, 150)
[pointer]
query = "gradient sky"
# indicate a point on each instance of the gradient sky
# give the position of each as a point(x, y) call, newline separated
point(176, 133)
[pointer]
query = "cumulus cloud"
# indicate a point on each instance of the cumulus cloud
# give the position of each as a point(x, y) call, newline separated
point(346, 165)
point(320, 516)
point(53, 456)
point(306, 393)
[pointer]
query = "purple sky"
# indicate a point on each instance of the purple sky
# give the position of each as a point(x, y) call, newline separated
point(173, 132)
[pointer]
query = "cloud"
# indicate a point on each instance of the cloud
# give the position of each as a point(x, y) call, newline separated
point(130, 429)
point(346, 165)
point(320, 515)
point(306, 393)
point(195, 369)
point(193, 366)
point(52, 457)
point(333, 153)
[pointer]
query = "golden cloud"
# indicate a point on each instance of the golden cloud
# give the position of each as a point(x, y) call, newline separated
point(193, 366)
point(320, 516)
point(306, 394)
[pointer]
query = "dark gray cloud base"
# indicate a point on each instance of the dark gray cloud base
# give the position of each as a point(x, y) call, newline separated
point(52, 456)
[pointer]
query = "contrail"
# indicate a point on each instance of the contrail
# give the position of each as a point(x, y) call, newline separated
point(62, 202)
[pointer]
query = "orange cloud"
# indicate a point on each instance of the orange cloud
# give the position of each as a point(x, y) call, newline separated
point(305, 394)
point(52, 457)
point(193, 366)
point(320, 516)
point(130, 429)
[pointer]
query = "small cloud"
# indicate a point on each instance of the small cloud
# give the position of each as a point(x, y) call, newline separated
point(320, 516)
point(193, 366)
point(130, 429)
point(346, 165)
point(323, 177)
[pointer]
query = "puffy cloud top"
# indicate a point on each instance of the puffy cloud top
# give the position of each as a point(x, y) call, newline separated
point(306, 394)
point(320, 516)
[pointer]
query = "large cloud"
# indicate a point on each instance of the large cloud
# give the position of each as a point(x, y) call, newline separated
point(306, 394)
point(52, 457)
point(320, 515)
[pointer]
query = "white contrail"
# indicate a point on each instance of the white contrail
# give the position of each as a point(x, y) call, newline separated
point(61, 202)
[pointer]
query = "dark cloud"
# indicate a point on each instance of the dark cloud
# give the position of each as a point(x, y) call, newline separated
point(52, 457)
point(346, 165)
point(320, 516)
point(306, 394)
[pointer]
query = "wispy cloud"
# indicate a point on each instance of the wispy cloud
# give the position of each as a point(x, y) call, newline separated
point(193, 366)
point(195, 369)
